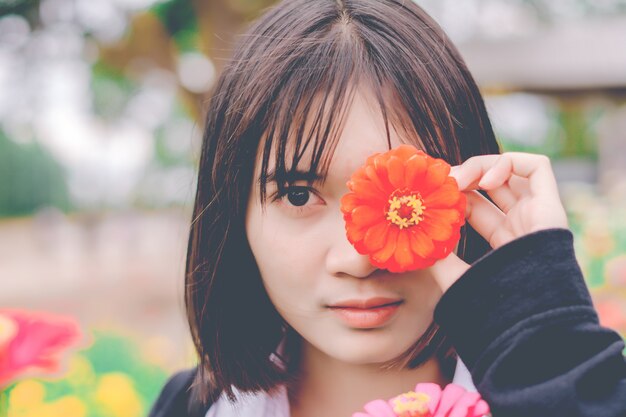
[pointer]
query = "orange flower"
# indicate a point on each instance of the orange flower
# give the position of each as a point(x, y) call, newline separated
point(403, 209)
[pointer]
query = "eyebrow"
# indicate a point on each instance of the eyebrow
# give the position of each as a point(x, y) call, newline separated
point(293, 176)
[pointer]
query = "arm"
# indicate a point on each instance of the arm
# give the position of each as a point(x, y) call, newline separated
point(523, 322)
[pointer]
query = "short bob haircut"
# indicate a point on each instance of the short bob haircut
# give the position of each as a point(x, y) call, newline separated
point(296, 51)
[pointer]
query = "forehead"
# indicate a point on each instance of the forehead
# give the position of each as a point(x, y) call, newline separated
point(362, 133)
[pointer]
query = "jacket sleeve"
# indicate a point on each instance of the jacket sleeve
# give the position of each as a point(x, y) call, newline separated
point(522, 320)
point(174, 396)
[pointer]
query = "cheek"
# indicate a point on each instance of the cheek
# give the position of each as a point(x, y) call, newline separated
point(279, 254)
point(422, 295)
point(289, 262)
point(280, 243)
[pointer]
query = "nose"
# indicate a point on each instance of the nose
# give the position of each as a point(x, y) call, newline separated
point(342, 258)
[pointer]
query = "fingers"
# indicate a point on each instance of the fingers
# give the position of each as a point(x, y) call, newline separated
point(523, 188)
point(470, 172)
point(519, 186)
point(491, 171)
point(504, 197)
point(487, 219)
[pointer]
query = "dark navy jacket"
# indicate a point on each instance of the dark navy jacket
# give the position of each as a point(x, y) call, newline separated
point(522, 320)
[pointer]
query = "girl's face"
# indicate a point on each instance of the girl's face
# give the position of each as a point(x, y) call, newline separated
point(307, 264)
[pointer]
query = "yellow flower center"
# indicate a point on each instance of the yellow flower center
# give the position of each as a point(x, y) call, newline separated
point(405, 210)
point(411, 404)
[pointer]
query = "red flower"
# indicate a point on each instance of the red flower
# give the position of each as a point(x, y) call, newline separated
point(403, 209)
point(428, 400)
point(33, 342)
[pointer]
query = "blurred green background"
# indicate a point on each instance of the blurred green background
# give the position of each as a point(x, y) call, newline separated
point(101, 105)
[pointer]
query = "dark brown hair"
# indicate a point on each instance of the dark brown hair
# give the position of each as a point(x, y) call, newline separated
point(297, 51)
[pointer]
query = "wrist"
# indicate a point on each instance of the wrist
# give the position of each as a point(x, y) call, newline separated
point(448, 271)
point(530, 275)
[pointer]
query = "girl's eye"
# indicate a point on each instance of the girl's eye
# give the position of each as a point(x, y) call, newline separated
point(296, 197)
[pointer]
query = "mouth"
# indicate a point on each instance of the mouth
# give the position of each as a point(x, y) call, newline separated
point(369, 303)
point(366, 314)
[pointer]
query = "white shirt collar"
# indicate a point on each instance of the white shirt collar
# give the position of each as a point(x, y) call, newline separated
point(277, 404)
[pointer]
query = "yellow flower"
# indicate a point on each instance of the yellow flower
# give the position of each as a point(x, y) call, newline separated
point(68, 406)
point(116, 393)
point(26, 394)
point(80, 372)
point(27, 400)
point(411, 404)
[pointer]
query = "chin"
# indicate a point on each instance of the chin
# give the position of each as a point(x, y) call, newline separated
point(366, 357)
point(368, 350)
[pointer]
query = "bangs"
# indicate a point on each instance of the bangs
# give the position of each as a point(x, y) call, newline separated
point(309, 114)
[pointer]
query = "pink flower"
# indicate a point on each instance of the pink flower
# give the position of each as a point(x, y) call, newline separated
point(33, 342)
point(428, 400)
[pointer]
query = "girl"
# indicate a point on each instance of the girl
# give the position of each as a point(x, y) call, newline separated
point(315, 87)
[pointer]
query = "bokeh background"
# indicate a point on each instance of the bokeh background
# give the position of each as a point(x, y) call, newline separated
point(101, 105)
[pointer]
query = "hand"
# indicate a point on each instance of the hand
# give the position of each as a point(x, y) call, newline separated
point(526, 195)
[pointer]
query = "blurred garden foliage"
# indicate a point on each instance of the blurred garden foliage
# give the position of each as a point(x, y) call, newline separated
point(104, 99)
point(111, 378)
point(30, 178)
point(113, 91)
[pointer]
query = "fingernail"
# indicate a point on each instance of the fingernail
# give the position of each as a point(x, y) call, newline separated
point(486, 179)
point(453, 174)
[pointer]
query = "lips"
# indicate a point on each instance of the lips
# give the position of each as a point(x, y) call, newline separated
point(369, 303)
point(366, 313)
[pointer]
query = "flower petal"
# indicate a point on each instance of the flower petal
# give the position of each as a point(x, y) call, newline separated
point(390, 265)
point(379, 408)
point(433, 391)
point(421, 244)
point(480, 409)
point(403, 254)
point(367, 215)
point(371, 160)
point(8, 330)
point(349, 202)
point(395, 169)
point(390, 246)
point(449, 396)
point(436, 174)
point(444, 196)
point(447, 216)
point(355, 233)
point(444, 247)
point(380, 167)
point(373, 176)
point(421, 263)
point(376, 236)
point(415, 170)
point(437, 230)
point(464, 405)
point(39, 343)
point(359, 174)
point(442, 224)
point(405, 151)
point(366, 190)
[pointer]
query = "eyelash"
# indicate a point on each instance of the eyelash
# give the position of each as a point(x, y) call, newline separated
point(290, 188)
